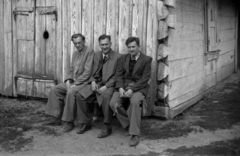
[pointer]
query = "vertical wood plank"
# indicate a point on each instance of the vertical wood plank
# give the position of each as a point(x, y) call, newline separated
point(40, 45)
point(51, 41)
point(87, 21)
point(2, 55)
point(124, 24)
point(40, 3)
point(66, 36)
point(99, 21)
point(8, 83)
point(139, 21)
point(144, 30)
point(59, 43)
point(112, 22)
point(152, 25)
point(74, 20)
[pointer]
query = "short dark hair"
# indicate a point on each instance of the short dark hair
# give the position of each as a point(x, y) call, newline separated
point(102, 37)
point(132, 39)
point(74, 36)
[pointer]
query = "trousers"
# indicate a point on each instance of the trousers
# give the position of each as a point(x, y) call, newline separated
point(132, 116)
point(82, 106)
point(56, 106)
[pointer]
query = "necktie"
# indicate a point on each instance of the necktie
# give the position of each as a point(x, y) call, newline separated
point(104, 58)
point(133, 57)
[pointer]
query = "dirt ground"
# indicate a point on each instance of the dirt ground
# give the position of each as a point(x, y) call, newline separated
point(210, 127)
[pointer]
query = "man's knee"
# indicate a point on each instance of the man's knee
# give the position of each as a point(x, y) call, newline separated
point(71, 91)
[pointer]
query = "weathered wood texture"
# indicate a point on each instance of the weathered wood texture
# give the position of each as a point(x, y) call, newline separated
point(31, 57)
point(8, 47)
point(2, 55)
point(190, 74)
point(186, 53)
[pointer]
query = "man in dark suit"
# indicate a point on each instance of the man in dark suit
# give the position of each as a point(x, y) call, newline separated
point(132, 76)
point(78, 74)
point(101, 86)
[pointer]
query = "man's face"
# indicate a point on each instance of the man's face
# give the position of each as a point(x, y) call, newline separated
point(105, 45)
point(78, 43)
point(133, 48)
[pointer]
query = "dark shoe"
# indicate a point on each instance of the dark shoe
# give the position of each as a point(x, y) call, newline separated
point(52, 122)
point(84, 128)
point(68, 127)
point(105, 132)
point(134, 140)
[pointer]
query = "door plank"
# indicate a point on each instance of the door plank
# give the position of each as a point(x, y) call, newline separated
point(40, 46)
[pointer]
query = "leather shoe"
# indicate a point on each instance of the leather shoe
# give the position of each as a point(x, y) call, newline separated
point(84, 128)
point(134, 140)
point(68, 127)
point(105, 132)
point(52, 122)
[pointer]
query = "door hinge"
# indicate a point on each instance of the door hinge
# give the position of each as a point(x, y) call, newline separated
point(49, 13)
point(23, 13)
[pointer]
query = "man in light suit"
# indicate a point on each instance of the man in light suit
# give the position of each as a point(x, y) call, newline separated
point(101, 86)
point(132, 76)
point(78, 74)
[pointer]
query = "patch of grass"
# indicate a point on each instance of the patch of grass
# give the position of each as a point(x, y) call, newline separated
point(171, 129)
point(220, 148)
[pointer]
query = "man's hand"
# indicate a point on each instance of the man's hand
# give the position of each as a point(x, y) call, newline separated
point(122, 92)
point(129, 93)
point(102, 89)
point(73, 85)
point(68, 84)
point(94, 86)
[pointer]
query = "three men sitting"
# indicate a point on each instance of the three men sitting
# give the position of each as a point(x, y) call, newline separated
point(116, 81)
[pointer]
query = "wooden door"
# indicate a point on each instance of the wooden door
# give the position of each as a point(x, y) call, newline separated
point(35, 47)
point(45, 47)
point(23, 46)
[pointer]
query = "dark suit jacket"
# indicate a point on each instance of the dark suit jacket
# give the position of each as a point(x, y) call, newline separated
point(140, 76)
point(84, 70)
point(109, 78)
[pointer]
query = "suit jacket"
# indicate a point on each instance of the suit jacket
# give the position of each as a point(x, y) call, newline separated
point(109, 76)
point(140, 75)
point(80, 73)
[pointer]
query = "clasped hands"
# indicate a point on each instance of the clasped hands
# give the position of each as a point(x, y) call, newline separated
point(96, 88)
point(125, 94)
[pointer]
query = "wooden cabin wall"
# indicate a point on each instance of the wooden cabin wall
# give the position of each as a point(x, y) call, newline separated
point(186, 52)
point(228, 35)
point(118, 18)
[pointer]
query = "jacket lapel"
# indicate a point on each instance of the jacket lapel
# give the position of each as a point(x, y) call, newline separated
point(127, 63)
point(138, 63)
